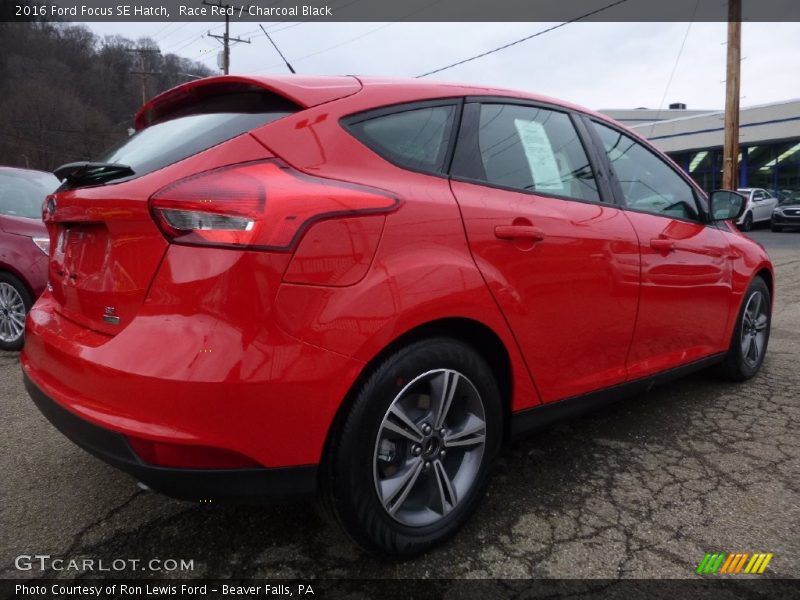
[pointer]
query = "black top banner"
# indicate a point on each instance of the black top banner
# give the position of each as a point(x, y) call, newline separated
point(394, 10)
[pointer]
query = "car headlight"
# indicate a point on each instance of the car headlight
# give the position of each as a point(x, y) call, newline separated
point(43, 243)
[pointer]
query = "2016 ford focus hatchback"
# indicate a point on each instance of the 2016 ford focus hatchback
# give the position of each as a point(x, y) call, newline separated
point(362, 287)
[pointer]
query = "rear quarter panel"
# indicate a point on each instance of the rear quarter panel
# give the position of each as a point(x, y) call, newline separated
point(748, 258)
point(422, 270)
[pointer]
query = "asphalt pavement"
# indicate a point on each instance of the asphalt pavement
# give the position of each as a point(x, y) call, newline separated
point(640, 489)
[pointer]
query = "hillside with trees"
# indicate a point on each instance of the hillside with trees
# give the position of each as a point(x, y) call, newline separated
point(66, 94)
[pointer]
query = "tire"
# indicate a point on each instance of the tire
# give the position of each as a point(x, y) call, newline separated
point(15, 302)
point(750, 337)
point(776, 228)
point(747, 223)
point(367, 456)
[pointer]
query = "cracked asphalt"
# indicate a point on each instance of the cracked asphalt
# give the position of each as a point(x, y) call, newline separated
point(640, 489)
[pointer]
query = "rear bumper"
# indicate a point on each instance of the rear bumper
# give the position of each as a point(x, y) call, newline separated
point(187, 484)
point(196, 380)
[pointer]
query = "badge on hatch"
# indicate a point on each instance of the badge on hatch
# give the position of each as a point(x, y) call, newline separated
point(110, 315)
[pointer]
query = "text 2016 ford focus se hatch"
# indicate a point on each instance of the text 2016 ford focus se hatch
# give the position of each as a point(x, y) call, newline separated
point(362, 287)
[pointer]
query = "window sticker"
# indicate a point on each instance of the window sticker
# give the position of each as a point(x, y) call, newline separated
point(539, 152)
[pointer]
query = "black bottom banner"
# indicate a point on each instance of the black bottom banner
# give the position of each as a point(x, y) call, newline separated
point(478, 589)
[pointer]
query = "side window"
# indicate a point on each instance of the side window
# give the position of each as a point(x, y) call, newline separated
point(22, 192)
point(530, 149)
point(416, 139)
point(648, 183)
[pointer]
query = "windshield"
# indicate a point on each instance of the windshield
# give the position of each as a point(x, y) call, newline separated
point(22, 192)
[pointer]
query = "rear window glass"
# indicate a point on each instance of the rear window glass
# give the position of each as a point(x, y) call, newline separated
point(415, 139)
point(22, 193)
point(169, 141)
point(191, 120)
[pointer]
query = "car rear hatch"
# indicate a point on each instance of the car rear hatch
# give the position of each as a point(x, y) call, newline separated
point(105, 250)
point(105, 246)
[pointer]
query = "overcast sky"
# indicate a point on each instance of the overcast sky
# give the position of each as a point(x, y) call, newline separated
point(598, 65)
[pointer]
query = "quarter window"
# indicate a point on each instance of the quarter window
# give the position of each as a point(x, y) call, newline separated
point(529, 149)
point(416, 139)
point(648, 183)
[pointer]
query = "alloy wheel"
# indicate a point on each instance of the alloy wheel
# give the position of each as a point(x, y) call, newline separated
point(429, 447)
point(12, 313)
point(754, 328)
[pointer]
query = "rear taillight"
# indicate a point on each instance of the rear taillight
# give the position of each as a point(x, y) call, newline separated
point(263, 205)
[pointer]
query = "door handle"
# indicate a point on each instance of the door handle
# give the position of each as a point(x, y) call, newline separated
point(662, 245)
point(515, 232)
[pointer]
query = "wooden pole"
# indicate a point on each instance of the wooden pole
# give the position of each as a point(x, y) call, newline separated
point(730, 153)
point(226, 38)
point(226, 58)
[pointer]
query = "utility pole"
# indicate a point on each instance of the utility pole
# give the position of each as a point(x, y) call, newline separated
point(730, 153)
point(143, 72)
point(226, 39)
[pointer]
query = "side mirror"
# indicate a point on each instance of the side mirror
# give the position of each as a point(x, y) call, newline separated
point(726, 205)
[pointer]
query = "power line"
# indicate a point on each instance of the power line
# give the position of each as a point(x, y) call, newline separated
point(167, 34)
point(326, 49)
point(345, 42)
point(194, 40)
point(164, 28)
point(195, 35)
point(352, 39)
point(525, 39)
point(675, 66)
point(187, 41)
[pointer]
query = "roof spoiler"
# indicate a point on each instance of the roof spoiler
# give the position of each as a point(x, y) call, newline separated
point(304, 92)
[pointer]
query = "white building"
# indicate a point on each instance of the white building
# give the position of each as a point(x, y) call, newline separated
point(769, 138)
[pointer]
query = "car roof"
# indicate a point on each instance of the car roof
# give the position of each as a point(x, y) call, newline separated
point(307, 91)
point(426, 88)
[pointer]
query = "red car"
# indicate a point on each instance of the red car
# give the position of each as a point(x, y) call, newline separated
point(24, 244)
point(362, 287)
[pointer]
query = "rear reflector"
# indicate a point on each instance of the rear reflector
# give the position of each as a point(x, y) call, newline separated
point(264, 205)
point(188, 457)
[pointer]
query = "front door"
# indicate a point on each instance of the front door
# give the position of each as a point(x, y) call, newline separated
point(686, 273)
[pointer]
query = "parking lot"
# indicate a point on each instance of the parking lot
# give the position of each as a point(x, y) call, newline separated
point(639, 489)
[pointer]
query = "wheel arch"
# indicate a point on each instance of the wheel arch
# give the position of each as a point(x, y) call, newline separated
point(5, 268)
point(479, 336)
point(765, 274)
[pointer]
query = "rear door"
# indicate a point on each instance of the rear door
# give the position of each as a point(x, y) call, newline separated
point(764, 204)
point(561, 260)
point(686, 272)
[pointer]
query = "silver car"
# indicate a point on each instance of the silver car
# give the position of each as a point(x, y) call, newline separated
point(760, 204)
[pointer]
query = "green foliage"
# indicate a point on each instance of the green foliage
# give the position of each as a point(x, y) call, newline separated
point(66, 94)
